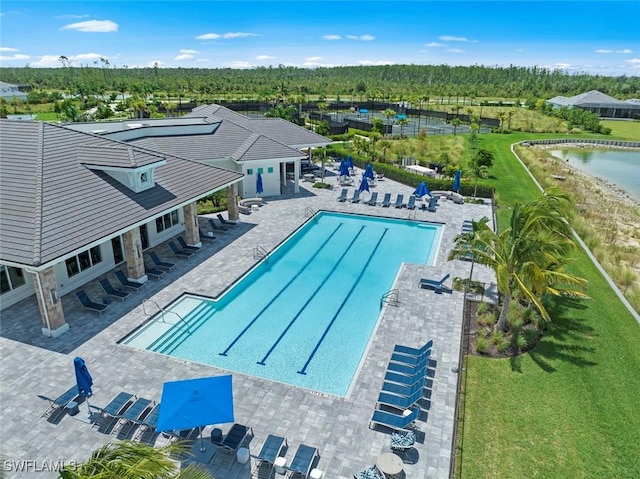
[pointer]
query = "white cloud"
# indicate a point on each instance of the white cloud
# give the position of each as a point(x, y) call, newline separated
point(17, 56)
point(154, 63)
point(454, 50)
point(312, 59)
point(70, 16)
point(265, 57)
point(625, 51)
point(238, 64)
point(7, 49)
point(634, 61)
point(435, 45)
point(451, 38)
point(216, 36)
point(184, 57)
point(85, 56)
point(100, 26)
point(367, 38)
point(209, 36)
point(188, 52)
point(332, 37)
point(47, 61)
point(562, 65)
point(376, 62)
point(352, 37)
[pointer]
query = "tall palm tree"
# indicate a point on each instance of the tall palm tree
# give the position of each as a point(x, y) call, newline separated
point(135, 460)
point(281, 111)
point(528, 256)
point(402, 122)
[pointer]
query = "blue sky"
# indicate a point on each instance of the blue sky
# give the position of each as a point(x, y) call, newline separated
point(577, 36)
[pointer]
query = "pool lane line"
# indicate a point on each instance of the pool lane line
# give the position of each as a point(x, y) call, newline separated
point(313, 295)
point(246, 328)
point(335, 316)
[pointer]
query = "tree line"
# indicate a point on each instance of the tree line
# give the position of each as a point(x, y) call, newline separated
point(384, 82)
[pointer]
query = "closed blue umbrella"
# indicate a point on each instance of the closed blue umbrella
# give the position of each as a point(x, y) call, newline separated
point(456, 181)
point(368, 171)
point(344, 168)
point(195, 403)
point(259, 188)
point(421, 190)
point(364, 185)
point(84, 381)
point(349, 161)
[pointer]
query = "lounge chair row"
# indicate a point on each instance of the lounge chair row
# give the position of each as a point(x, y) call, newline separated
point(272, 457)
point(129, 410)
point(386, 200)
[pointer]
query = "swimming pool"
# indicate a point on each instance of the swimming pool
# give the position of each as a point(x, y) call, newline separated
point(305, 314)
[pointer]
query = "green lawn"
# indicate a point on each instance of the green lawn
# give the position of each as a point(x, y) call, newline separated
point(569, 408)
point(629, 130)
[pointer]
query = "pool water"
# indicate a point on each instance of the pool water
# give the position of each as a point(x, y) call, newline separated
point(306, 313)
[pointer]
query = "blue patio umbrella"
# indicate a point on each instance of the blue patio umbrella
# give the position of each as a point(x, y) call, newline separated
point(195, 403)
point(368, 171)
point(349, 161)
point(84, 381)
point(259, 188)
point(421, 190)
point(456, 181)
point(344, 168)
point(364, 185)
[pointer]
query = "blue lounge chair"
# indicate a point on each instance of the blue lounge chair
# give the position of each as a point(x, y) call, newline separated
point(88, 303)
point(395, 421)
point(409, 351)
point(150, 421)
point(111, 291)
point(134, 413)
point(126, 283)
point(417, 362)
point(402, 439)
point(405, 379)
point(356, 196)
point(116, 407)
point(153, 272)
point(303, 460)
point(370, 473)
point(270, 451)
point(404, 390)
point(215, 226)
point(399, 402)
point(183, 244)
point(374, 199)
point(433, 202)
point(399, 200)
point(223, 222)
point(411, 205)
point(437, 286)
point(204, 236)
point(343, 195)
point(386, 201)
point(226, 453)
point(159, 263)
point(180, 253)
point(57, 405)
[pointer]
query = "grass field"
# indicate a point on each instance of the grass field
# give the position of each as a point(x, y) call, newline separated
point(568, 408)
point(629, 130)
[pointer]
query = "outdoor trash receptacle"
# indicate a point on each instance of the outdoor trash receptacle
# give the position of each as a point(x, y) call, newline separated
point(216, 436)
point(72, 408)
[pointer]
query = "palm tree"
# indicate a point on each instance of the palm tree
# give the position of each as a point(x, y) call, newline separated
point(528, 256)
point(456, 122)
point(281, 111)
point(502, 116)
point(135, 460)
point(402, 122)
point(389, 113)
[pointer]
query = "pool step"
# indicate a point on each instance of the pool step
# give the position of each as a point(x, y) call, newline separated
point(198, 320)
point(194, 316)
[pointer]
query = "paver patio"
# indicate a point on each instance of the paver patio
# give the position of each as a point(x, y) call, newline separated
point(32, 364)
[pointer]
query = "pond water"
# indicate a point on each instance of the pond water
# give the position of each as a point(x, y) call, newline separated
point(621, 167)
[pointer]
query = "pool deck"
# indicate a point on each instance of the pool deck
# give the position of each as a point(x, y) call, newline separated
point(31, 364)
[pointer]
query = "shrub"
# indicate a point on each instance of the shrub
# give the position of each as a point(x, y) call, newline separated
point(482, 345)
point(483, 308)
point(321, 185)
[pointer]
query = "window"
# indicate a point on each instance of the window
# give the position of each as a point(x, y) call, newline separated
point(10, 278)
point(270, 169)
point(116, 246)
point(167, 221)
point(83, 261)
point(143, 177)
point(260, 170)
point(250, 171)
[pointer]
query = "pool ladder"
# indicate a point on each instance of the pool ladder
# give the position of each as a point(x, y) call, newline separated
point(390, 297)
point(163, 311)
point(259, 252)
point(308, 212)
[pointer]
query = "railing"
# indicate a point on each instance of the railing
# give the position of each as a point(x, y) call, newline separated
point(390, 297)
point(259, 252)
point(163, 311)
point(308, 212)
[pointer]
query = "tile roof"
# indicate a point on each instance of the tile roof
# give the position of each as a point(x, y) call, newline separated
point(52, 205)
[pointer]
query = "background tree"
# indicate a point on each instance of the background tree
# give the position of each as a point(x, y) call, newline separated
point(282, 111)
point(402, 122)
point(479, 165)
point(389, 114)
point(456, 122)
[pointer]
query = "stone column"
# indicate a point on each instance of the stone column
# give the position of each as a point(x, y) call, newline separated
point(232, 202)
point(51, 312)
point(191, 232)
point(296, 174)
point(133, 256)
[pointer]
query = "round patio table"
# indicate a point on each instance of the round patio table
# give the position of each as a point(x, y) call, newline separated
point(389, 464)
